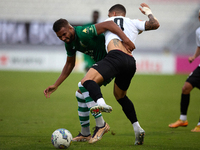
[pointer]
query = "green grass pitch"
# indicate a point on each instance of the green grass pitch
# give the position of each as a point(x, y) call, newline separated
point(27, 118)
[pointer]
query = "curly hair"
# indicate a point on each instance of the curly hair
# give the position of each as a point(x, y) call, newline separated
point(59, 24)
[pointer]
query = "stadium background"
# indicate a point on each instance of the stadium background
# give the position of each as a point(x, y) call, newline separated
point(27, 41)
point(27, 118)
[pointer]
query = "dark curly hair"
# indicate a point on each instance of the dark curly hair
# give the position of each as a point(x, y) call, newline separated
point(59, 24)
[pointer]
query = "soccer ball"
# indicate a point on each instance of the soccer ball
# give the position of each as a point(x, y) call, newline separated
point(61, 138)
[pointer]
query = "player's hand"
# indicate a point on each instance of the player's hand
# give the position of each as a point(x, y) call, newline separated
point(130, 46)
point(191, 59)
point(49, 90)
point(143, 5)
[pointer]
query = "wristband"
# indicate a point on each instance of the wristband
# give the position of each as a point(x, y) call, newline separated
point(147, 10)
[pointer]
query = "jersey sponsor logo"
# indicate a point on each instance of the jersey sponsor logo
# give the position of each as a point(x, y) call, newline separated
point(85, 30)
point(88, 30)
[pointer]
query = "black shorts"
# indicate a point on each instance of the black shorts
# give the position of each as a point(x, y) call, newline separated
point(194, 78)
point(119, 65)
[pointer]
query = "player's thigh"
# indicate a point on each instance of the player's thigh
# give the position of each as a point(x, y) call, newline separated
point(94, 75)
point(194, 78)
point(123, 79)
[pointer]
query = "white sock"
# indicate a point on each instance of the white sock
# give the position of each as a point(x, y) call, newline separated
point(198, 124)
point(85, 130)
point(101, 101)
point(183, 117)
point(100, 121)
point(136, 126)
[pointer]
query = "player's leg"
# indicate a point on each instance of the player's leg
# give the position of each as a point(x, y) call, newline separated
point(122, 82)
point(196, 83)
point(192, 81)
point(90, 103)
point(129, 111)
point(185, 99)
point(83, 113)
point(91, 82)
point(101, 126)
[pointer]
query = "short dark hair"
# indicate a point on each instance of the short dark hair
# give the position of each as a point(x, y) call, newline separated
point(96, 11)
point(119, 8)
point(59, 24)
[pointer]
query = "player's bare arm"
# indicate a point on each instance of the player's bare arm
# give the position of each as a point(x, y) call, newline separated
point(67, 69)
point(111, 26)
point(153, 23)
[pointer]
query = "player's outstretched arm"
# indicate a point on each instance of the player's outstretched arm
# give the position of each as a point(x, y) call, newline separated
point(153, 23)
point(67, 69)
point(114, 28)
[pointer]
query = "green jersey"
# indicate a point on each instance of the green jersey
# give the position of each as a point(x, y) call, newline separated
point(87, 41)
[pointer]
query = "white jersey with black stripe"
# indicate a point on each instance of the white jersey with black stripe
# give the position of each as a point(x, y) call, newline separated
point(198, 38)
point(131, 27)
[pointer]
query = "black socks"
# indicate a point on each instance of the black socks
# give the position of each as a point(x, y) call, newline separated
point(94, 89)
point(128, 108)
point(185, 99)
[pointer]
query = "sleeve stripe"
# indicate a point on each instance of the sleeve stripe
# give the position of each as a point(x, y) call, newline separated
point(94, 29)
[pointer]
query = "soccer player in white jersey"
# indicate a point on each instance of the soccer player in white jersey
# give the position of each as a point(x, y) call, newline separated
point(192, 81)
point(119, 63)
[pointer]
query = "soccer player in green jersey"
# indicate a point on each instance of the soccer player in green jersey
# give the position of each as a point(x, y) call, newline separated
point(88, 40)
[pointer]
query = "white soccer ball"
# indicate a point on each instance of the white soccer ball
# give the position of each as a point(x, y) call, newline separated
point(61, 138)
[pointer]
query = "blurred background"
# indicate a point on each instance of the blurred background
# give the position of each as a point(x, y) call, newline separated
point(27, 41)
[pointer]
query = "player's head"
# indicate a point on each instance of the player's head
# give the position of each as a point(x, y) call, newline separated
point(95, 16)
point(117, 10)
point(64, 30)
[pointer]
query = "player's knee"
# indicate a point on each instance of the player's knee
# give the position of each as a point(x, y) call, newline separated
point(82, 81)
point(186, 89)
point(86, 79)
point(119, 95)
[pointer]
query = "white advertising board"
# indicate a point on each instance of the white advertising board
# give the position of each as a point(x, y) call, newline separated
point(155, 63)
point(54, 61)
point(32, 61)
